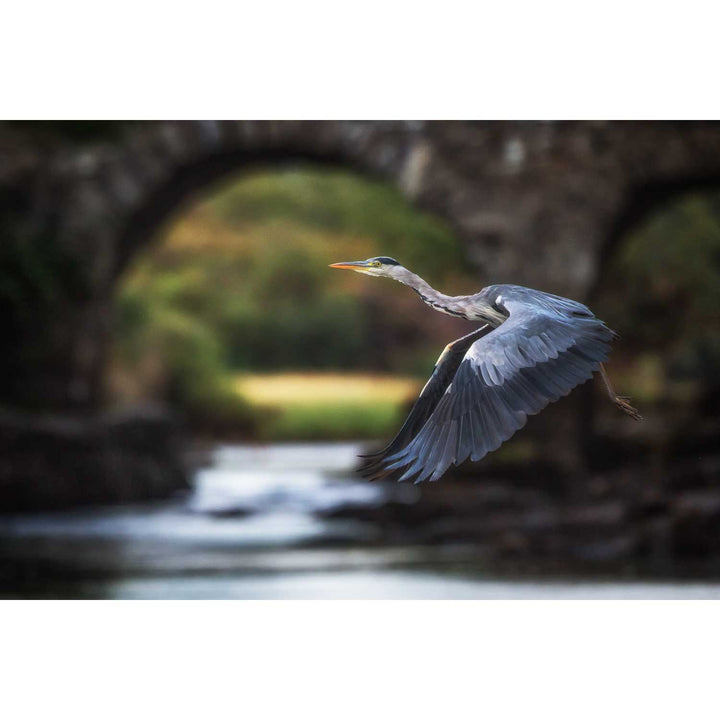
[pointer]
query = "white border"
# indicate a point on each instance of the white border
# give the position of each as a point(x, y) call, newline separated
point(359, 660)
point(348, 659)
point(371, 60)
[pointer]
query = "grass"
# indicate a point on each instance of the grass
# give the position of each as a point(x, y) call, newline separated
point(309, 406)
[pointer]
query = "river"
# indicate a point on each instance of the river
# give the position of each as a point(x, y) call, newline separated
point(255, 527)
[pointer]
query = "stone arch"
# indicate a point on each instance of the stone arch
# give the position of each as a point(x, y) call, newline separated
point(639, 203)
point(102, 203)
point(202, 179)
point(245, 147)
point(533, 202)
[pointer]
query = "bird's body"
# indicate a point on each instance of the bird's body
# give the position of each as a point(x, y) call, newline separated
point(531, 349)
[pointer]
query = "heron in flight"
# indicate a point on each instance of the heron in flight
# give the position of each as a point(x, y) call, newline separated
point(531, 349)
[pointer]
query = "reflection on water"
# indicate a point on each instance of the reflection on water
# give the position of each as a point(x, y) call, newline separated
point(397, 585)
point(289, 477)
point(250, 496)
point(253, 528)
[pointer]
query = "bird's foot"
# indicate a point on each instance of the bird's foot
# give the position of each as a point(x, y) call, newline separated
point(626, 407)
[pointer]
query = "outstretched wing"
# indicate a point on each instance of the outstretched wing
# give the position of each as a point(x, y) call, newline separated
point(539, 354)
point(442, 375)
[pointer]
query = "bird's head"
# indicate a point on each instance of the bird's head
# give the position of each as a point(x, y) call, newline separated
point(377, 266)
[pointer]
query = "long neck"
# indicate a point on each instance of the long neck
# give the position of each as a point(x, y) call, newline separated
point(435, 299)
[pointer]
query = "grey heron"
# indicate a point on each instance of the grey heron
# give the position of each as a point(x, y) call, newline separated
point(531, 349)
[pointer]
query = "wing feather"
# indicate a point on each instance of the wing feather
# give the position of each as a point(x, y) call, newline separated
point(430, 396)
point(481, 392)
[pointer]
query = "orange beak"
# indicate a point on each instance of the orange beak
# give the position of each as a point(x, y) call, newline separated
point(357, 266)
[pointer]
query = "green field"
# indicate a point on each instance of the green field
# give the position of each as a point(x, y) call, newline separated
point(336, 406)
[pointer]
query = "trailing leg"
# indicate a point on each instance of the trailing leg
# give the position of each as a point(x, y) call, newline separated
point(620, 402)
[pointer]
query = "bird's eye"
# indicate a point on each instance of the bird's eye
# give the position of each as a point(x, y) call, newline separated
point(377, 263)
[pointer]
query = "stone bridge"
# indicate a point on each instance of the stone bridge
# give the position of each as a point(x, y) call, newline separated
point(535, 203)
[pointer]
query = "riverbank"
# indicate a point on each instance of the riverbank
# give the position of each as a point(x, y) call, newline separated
point(260, 518)
point(56, 461)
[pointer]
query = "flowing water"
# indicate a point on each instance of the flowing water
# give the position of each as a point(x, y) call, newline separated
point(254, 527)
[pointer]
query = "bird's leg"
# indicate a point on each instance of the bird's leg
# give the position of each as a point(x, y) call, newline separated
point(620, 402)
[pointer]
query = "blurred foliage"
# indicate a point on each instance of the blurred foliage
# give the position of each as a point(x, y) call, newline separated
point(167, 353)
point(37, 275)
point(240, 281)
point(35, 272)
point(340, 203)
point(333, 421)
point(662, 293)
point(311, 406)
